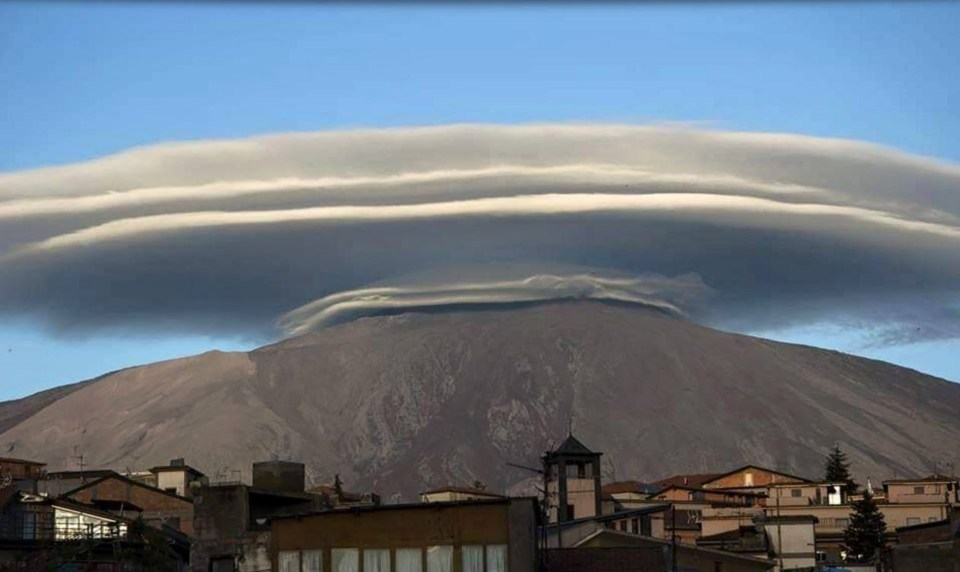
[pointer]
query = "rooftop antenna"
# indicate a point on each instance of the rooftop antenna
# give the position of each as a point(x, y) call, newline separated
point(78, 457)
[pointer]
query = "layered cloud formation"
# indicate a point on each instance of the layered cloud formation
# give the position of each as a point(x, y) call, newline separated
point(228, 236)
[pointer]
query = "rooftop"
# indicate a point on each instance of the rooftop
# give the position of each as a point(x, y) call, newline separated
point(627, 487)
point(694, 480)
point(928, 479)
point(463, 490)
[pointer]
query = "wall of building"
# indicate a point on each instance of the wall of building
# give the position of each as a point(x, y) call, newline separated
point(220, 521)
point(718, 520)
point(172, 481)
point(157, 506)
point(415, 527)
point(911, 493)
point(454, 496)
point(793, 543)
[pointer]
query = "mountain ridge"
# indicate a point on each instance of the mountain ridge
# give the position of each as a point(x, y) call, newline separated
point(403, 402)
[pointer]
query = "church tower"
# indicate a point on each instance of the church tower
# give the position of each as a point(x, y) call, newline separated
point(572, 474)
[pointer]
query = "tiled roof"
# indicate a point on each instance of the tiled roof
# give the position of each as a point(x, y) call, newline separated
point(626, 487)
point(684, 480)
point(571, 446)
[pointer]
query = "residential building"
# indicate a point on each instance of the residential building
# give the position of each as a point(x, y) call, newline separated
point(495, 535)
point(750, 479)
point(572, 475)
point(21, 473)
point(159, 507)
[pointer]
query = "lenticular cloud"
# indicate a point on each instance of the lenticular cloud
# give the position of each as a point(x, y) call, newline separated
point(233, 235)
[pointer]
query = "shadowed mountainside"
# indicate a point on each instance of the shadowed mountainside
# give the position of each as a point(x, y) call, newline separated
point(401, 403)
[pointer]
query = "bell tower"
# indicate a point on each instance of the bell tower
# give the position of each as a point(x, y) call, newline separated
point(572, 474)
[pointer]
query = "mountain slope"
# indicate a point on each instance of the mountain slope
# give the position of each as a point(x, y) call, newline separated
point(404, 402)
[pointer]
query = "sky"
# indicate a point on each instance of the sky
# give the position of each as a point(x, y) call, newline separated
point(80, 81)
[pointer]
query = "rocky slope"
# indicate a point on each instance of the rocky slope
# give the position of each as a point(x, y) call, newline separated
point(401, 403)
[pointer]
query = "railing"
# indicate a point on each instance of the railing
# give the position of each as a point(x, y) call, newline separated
point(61, 531)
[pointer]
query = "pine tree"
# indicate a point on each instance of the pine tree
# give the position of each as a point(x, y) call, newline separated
point(338, 487)
point(863, 538)
point(838, 470)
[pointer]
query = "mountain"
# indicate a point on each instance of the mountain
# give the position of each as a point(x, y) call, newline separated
point(404, 402)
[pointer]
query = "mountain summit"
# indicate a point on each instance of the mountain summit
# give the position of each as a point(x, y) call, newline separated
point(401, 403)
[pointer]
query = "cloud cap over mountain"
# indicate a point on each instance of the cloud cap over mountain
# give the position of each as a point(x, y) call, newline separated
point(218, 236)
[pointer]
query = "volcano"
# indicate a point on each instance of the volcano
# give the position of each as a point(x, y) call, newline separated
point(401, 403)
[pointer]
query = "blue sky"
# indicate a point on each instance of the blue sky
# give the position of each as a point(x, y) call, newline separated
point(81, 80)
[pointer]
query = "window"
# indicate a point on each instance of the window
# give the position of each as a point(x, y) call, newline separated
point(289, 561)
point(918, 490)
point(646, 526)
point(570, 512)
point(222, 564)
point(472, 556)
point(440, 558)
point(312, 560)
point(796, 493)
point(581, 471)
point(497, 558)
point(345, 559)
point(409, 560)
point(634, 526)
point(623, 526)
point(748, 479)
point(912, 520)
point(376, 560)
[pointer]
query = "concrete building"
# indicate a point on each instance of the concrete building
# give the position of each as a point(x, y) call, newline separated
point(496, 535)
point(457, 494)
point(231, 524)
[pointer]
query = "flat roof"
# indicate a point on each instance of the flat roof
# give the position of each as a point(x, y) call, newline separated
point(406, 506)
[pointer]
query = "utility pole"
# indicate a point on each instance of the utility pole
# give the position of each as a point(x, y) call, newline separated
point(673, 537)
point(779, 535)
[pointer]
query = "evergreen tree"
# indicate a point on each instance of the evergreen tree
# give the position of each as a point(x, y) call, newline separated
point(338, 486)
point(838, 470)
point(863, 538)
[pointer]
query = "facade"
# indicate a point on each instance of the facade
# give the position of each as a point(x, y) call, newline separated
point(572, 475)
point(936, 489)
point(498, 535)
point(792, 541)
point(457, 494)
